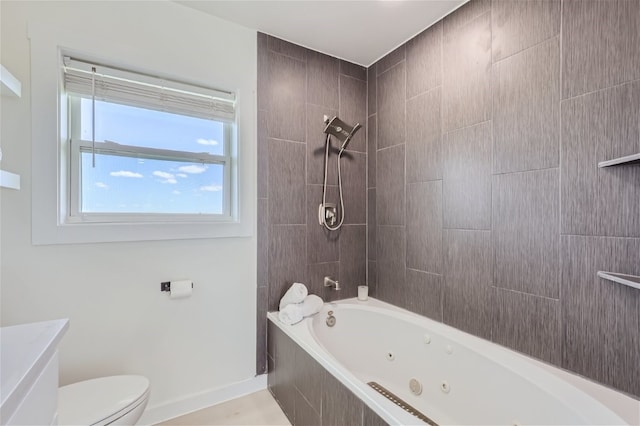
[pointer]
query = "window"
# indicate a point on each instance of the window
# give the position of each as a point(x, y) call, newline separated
point(145, 149)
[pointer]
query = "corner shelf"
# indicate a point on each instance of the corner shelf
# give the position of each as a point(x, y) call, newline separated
point(628, 159)
point(628, 280)
point(9, 85)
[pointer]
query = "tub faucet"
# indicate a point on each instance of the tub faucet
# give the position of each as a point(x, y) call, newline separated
point(328, 282)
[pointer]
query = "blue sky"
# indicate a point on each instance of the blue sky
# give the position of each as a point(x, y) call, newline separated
point(133, 185)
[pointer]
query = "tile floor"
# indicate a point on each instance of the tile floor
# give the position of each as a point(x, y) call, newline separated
point(258, 408)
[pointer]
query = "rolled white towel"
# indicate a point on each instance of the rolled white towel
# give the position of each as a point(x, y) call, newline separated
point(291, 314)
point(311, 305)
point(296, 294)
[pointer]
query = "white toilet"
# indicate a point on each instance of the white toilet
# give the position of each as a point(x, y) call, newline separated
point(118, 400)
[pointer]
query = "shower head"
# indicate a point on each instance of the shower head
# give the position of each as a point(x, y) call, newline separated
point(341, 130)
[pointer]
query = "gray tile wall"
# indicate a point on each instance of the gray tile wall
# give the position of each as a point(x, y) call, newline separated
point(484, 207)
point(296, 87)
point(490, 212)
point(307, 393)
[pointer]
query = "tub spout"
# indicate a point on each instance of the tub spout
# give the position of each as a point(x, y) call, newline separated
point(328, 282)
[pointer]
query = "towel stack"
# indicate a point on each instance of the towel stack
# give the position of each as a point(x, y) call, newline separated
point(297, 304)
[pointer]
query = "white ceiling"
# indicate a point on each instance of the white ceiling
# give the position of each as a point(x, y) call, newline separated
point(360, 31)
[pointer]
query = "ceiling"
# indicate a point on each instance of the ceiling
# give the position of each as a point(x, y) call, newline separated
point(360, 31)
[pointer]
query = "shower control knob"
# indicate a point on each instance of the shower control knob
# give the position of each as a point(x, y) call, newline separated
point(327, 213)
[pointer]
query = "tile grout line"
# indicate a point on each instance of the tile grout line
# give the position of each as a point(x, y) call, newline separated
point(526, 49)
point(441, 146)
point(366, 183)
point(468, 126)
point(603, 89)
point(527, 171)
point(492, 331)
point(524, 293)
point(560, 145)
point(424, 92)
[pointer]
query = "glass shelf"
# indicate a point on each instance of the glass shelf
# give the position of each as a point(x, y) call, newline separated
point(628, 280)
point(628, 159)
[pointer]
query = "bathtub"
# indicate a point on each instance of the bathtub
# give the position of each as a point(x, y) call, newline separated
point(442, 375)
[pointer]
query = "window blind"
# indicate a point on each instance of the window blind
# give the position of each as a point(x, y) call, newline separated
point(145, 91)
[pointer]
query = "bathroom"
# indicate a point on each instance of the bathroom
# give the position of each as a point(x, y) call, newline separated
point(471, 194)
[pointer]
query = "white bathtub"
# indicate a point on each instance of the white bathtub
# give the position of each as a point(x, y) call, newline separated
point(465, 380)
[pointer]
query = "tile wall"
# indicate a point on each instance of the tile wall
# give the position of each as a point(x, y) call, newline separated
point(296, 88)
point(307, 393)
point(484, 205)
point(486, 208)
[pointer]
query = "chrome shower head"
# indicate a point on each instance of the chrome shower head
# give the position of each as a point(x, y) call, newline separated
point(341, 130)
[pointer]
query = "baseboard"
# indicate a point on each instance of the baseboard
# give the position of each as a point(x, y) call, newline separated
point(191, 403)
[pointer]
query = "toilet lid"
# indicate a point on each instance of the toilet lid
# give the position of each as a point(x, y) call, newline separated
point(91, 401)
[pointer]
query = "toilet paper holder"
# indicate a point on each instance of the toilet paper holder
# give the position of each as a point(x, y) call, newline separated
point(166, 286)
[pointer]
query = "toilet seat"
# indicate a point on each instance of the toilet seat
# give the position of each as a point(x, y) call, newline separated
point(101, 401)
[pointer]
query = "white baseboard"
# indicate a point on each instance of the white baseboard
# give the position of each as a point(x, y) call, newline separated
point(191, 403)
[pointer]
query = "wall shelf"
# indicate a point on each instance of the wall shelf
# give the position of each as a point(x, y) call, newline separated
point(9, 85)
point(9, 180)
point(628, 280)
point(628, 159)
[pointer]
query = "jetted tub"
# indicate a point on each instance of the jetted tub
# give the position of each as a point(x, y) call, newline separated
point(446, 376)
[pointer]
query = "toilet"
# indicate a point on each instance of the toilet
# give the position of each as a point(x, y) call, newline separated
point(107, 400)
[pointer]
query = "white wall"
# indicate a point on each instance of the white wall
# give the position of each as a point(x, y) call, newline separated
point(120, 321)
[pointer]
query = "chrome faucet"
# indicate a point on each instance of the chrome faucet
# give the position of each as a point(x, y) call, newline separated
point(328, 282)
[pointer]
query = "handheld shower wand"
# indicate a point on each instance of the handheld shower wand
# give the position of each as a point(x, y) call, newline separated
point(343, 133)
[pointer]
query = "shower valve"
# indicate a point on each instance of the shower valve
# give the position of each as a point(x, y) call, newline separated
point(327, 213)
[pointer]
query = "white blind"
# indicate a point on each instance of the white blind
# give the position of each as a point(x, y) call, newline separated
point(144, 91)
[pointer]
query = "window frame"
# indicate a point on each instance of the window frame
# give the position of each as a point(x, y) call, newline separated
point(49, 43)
point(73, 213)
point(76, 146)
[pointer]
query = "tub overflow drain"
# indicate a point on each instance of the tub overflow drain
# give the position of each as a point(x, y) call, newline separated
point(415, 386)
point(444, 387)
point(331, 320)
point(390, 356)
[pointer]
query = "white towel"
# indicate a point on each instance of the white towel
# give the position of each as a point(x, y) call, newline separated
point(296, 294)
point(311, 305)
point(291, 314)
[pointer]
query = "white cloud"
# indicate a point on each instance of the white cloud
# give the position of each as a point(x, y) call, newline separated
point(166, 177)
point(126, 173)
point(176, 192)
point(102, 185)
point(182, 175)
point(163, 175)
point(193, 169)
point(209, 142)
point(211, 188)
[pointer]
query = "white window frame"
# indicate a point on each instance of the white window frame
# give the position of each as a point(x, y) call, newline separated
point(49, 194)
point(76, 146)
